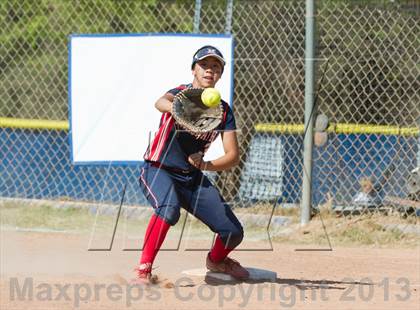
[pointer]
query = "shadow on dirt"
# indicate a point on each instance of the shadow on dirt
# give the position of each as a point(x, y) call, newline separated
point(301, 284)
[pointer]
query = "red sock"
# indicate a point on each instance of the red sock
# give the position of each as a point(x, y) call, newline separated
point(219, 251)
point(153, 238)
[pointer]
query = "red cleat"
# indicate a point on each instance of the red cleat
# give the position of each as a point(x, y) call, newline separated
point(144, 275)
point(228, 266)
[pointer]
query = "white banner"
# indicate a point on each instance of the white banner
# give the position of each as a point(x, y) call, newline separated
point(114, 81)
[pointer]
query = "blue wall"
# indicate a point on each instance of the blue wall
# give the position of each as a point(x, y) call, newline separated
point(36, 164)
point(337, 166)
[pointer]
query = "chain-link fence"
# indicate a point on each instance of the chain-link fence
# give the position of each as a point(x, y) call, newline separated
point(367, 50)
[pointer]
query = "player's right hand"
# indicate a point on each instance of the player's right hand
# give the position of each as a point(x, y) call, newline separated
point(196, 159)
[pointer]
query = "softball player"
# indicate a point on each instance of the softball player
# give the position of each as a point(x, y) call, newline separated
point(172, 177)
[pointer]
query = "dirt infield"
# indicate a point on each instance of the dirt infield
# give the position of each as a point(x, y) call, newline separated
point(41, 270)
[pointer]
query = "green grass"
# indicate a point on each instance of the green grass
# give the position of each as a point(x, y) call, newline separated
point(267, 208)
point(356, 230)
point(80, 220)
point(27, 216)
point(362, 230)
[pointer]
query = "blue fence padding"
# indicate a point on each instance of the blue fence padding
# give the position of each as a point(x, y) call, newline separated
point(337, 166)
point(365, 155)
point(36, 164)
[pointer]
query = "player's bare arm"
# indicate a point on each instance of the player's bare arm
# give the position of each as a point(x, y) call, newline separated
point(164, 103)
point(225, 162)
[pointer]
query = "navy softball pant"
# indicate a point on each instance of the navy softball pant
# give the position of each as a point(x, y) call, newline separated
point(168, 191)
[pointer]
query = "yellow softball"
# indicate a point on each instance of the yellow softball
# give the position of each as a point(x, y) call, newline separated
point(211, 97)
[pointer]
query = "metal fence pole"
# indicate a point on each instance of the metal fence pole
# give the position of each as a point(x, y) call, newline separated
point(229, 11)
point(197, 16)
point(309, 100)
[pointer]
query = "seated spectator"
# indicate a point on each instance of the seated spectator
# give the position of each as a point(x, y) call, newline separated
point(368, 195)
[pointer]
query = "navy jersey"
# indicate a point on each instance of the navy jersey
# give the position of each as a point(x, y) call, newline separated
point(172, 145)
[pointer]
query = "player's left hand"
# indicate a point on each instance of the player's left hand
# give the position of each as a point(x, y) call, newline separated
point(196, 160)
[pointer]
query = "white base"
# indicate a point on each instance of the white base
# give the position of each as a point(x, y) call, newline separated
point(255, 274)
